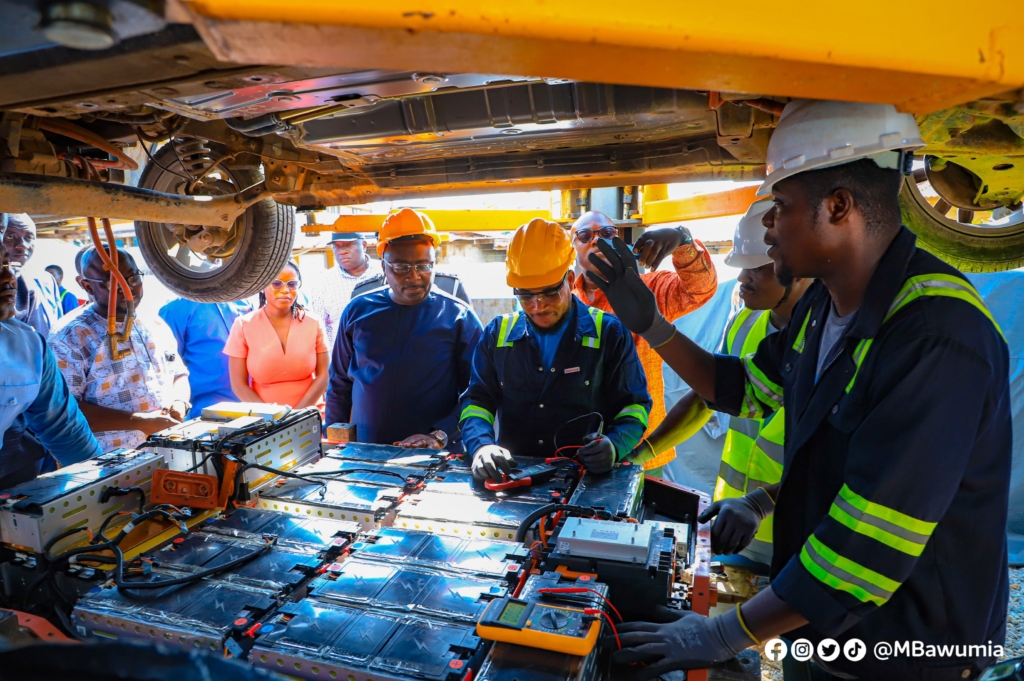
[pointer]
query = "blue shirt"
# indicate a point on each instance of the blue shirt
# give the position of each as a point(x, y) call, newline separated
point(398, 370)
point(548, 340)
point(31, 385)
point(595, 369)
point(201, 330)
point(68, 301)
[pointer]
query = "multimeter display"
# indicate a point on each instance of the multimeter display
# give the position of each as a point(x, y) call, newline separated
point(512, 613)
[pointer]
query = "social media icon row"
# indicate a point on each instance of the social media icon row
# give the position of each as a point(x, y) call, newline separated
point(802, 650)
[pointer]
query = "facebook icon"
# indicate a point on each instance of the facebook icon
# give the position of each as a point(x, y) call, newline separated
point(775, 649)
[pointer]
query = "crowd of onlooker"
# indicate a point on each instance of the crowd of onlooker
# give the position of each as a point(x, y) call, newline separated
point(395, 364)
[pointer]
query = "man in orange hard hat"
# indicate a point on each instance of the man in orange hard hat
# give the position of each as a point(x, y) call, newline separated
point(557, 374)
point(692, 284)
point(402, 355)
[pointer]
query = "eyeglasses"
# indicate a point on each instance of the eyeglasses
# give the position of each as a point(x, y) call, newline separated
point(406, 268)
point(585, 236)
point(293, 285)
point(10, 265)
point(134, 281)
point(549, 294)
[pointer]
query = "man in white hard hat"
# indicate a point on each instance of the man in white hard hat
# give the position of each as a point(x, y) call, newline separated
point(752, 454)
point(890, 519)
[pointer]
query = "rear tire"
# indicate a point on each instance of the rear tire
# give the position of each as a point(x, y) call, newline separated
point(268, 233)
point(969, 248)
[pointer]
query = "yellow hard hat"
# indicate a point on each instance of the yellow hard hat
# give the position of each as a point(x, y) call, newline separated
point(406, 222)
point(539, 256)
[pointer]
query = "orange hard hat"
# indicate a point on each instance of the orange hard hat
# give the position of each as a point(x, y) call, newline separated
point(406, 222)
point(539, 256)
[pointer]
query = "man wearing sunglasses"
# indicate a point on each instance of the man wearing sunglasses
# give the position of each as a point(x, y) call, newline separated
point(128, 398)
point(677, 293)
point(402, 355)
point(557, 376)
point(33, 394)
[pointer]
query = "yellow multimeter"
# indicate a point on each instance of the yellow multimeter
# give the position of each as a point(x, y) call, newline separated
point(539, 625)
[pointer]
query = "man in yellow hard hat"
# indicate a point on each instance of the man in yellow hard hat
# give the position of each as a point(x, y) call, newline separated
point(402, 355)
point(559, 374)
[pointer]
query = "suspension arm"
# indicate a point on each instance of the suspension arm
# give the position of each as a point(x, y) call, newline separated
point(43, 195)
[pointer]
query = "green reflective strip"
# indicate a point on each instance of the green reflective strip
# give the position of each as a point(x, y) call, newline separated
point(940, 285)
point(751, 408)
point(507, 322)
point(843, 574)
point(590, 342)
point(902, 520)
point(479, 412)
point(918, 287)
point(768, 392)
point(880, 530)
point(636, 411)
point(798, 344)
point(859, 353)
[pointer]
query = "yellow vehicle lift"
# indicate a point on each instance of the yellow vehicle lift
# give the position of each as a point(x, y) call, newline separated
point(920, 56)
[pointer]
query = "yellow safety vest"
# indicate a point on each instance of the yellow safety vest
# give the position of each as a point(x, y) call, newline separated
point(752, 455)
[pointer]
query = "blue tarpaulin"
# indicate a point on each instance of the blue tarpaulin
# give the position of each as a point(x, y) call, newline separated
point(696, 462)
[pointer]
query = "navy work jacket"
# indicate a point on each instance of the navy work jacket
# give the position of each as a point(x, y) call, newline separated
point(596, 369)
point(890, 522)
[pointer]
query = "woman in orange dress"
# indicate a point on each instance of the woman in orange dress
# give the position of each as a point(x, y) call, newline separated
point(277, 353)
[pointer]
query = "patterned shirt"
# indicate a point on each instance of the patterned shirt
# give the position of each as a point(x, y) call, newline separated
point(140, 382)
point(331, 293)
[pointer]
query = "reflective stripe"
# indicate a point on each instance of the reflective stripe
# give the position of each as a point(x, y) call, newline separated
point(732, 477)
point(881, 530)
point(636, 411)
point(801, 339)
point(739, 330)
point(508, 321)
point(940, 285)
point(774, 450)
point(845, 575)
point(589, 342)
point(479, 412)
point(764, 389)
point(917, 287)
point(748, 427)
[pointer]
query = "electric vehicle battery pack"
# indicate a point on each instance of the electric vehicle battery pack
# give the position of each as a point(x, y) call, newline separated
point(619, 492)
point(407, 590)
point(463, 515)
point(475, 556)
point(317, 640)
point(201, 615)
point(389, 455)
point(318, 534)
point(459, 480)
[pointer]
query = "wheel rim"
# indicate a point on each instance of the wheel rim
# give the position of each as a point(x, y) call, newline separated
point(996, 223)
point(189, 173)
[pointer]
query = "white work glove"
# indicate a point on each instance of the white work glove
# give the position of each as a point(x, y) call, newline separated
point(491, 461)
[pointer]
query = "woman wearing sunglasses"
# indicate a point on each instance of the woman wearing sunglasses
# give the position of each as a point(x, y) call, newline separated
point(277, 353)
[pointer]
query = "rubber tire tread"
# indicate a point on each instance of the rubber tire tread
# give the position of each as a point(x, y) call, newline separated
point(966, 252)
point(266, 249)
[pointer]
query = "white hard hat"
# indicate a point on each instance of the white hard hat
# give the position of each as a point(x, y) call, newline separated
point(816, 134)
point(749, 251)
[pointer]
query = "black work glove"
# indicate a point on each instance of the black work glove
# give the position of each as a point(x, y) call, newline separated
point(632, 302)
point(655, 245)
point(598, 453)
point(691, 641)
point(737, 520)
